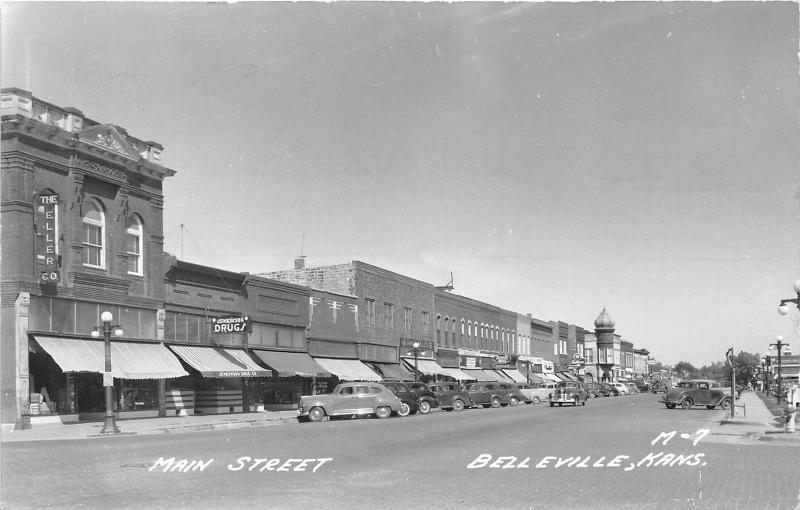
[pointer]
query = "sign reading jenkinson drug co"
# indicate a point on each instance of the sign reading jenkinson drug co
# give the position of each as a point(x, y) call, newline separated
point(230, 324)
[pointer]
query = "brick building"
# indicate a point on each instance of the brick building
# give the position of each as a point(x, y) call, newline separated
point(82, 233)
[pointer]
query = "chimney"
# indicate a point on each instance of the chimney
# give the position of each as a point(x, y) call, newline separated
point(300, 262)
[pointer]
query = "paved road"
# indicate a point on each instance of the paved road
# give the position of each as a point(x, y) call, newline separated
point(608, 454)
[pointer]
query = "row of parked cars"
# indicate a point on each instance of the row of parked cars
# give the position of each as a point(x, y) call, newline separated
point(352, 399)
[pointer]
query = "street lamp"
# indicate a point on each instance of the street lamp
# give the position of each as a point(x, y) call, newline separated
point(417, 352)
point(109, 427)
point(783, 308)
point(779, 345)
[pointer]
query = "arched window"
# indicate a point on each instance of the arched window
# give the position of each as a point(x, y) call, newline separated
point(438, 329)
point(94, 227)
point(446, 329)
point(133, 246)
point(453, 337)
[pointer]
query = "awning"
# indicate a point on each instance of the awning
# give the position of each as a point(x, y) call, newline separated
point(552, 377)
point(538, 379)
point(478, 374)
point(425, 366)
point(219, 361)
point(567, 376)
point(499, 376)
point(516, 375)
point(129, 360)
point(394, 371)
point(289, 364)
point(456, 374)
point(348, 369)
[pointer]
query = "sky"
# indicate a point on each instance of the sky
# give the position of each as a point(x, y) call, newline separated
point(557, 158)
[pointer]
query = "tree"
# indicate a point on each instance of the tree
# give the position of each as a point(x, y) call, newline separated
point(745, 364)
point(685, 370)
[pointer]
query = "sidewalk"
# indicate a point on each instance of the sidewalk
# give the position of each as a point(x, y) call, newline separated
point(143, 426)
point(757, 418)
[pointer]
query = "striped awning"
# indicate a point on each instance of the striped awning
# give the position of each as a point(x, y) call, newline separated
point(456, 374)
point(516, 375)
point(129, 360)
point(290, 364)
point(478, 374)
point(499, 376)
point(220, 362)
point(552, 377)
point(348, 369)
point(394, 371)
point(426, 366)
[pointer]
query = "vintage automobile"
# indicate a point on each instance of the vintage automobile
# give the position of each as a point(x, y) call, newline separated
point(621, 388)
point(595, 390)
point(427, 398)
point(632, 389)
point(409, 400)
point(450, 396)
point(486, 394)
point(697, 392)
point(347, 400)
point(612, 390)
point(542, 391)
point(568, 392)
point(530, 393)
point(513, 394)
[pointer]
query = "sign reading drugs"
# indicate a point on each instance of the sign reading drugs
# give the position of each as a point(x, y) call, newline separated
point(47, 237)
point(231, 324)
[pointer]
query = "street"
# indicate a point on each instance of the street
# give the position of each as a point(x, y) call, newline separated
point(618, 452)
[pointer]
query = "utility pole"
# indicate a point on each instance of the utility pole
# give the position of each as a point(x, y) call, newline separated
point(779, 345)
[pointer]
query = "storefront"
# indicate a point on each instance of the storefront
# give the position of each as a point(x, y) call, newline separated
point(293, 374)
point(66, 374)
point(219, 378)
point(348, 369)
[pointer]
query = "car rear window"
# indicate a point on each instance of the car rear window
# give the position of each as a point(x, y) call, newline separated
point(375, 389)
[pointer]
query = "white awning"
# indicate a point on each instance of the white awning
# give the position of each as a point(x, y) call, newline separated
point(456, 374)
point(348, 369)
point(516, 375)
point(478, 374)
point(220, 362)
point(129, 360)
point(426, 366)
point(551, 377)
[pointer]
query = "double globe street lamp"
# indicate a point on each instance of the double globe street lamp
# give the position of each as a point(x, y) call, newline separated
point(417, 352)
point(783, 309)
point(109, 426)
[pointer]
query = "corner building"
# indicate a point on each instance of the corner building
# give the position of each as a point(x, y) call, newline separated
point(82, 233)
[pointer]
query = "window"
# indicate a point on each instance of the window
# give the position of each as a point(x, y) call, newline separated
point(94, 224)
point(388, 310)
point(438, 328)
point(426, 321)
point(563, 344)
point(407, 319)
point(369, 314)
point(446, 330)
point(555, 348)
point(133, 246)
point(589, 356)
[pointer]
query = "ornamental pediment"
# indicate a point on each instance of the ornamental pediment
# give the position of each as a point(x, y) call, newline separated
point(108, 137)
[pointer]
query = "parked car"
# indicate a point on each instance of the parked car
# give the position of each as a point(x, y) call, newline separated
point(427, 398)
point(513, 394)
point(594, 390)
point(486, 394)
point(621, 388)
point(450, 396)
point(658, 387)
point(542, 391)
point(568, 392)
point(349, 399)
point(409, 401)
point(642, 385)
point(696, 392)
point(632, 389)
point(529, 391)
point(613, 391)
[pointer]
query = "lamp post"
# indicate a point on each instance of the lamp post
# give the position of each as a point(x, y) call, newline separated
point(779, 345)
point(109, 426)
point(417, 352)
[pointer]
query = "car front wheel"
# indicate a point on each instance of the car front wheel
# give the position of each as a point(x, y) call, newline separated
point(405, 410)
point(316, 414)
point(725, 404)
point(384, 412)
point(495, 402)
point(424, 407)
point(687, 403)
point(536, 400)
point(670, 406)
point(513, 401)
point(458, 405)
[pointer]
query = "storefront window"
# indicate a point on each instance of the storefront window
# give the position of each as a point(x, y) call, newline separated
point(63, 316)
point(39, 314)
point(138, 395)
point(87, 316)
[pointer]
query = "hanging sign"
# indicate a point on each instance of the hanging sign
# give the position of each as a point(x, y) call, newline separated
point(47, 238)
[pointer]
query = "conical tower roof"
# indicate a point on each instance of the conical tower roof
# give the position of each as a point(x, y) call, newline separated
point(604, 321)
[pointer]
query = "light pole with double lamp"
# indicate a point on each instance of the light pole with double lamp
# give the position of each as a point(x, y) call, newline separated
point(109, 426)
point(779, 345)
point(783, 309)
point(417, 352)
